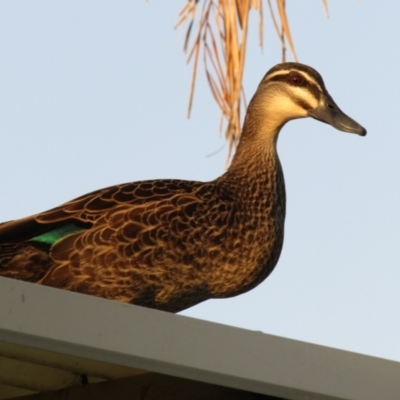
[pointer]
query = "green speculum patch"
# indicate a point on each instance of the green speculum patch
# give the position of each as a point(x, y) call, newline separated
point(55, 235)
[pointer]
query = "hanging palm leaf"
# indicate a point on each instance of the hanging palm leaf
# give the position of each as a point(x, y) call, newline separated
point(221, 38)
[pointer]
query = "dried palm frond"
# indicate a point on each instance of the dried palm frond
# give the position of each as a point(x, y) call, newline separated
point(221, 37)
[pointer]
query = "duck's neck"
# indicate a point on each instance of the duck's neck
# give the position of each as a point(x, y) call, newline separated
point(256, 159)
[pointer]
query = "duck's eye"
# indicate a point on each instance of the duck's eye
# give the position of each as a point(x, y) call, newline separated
point(296, 79)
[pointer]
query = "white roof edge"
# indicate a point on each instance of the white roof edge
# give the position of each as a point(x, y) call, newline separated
point(108, 331)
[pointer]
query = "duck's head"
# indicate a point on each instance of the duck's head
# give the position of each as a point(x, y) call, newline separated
point(294, 90)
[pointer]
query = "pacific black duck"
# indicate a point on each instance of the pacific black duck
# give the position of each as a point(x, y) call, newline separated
point(170, 244)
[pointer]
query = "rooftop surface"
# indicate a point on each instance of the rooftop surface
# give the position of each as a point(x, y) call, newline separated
point(52, 339)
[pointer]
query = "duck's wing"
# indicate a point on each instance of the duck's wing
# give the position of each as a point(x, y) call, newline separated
point(106, 224)
point(81, 213)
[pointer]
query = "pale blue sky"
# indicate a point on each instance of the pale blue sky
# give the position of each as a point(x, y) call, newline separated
point(94, 93)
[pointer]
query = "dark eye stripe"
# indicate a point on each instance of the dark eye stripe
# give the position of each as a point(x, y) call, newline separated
point(311, 87)
point(287, 67)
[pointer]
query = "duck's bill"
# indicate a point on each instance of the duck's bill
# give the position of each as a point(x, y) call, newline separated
point(331, 114)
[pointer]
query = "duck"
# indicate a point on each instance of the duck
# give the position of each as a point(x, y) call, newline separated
point(170, 244)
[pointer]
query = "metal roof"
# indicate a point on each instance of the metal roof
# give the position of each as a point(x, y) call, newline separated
point(49, 338)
